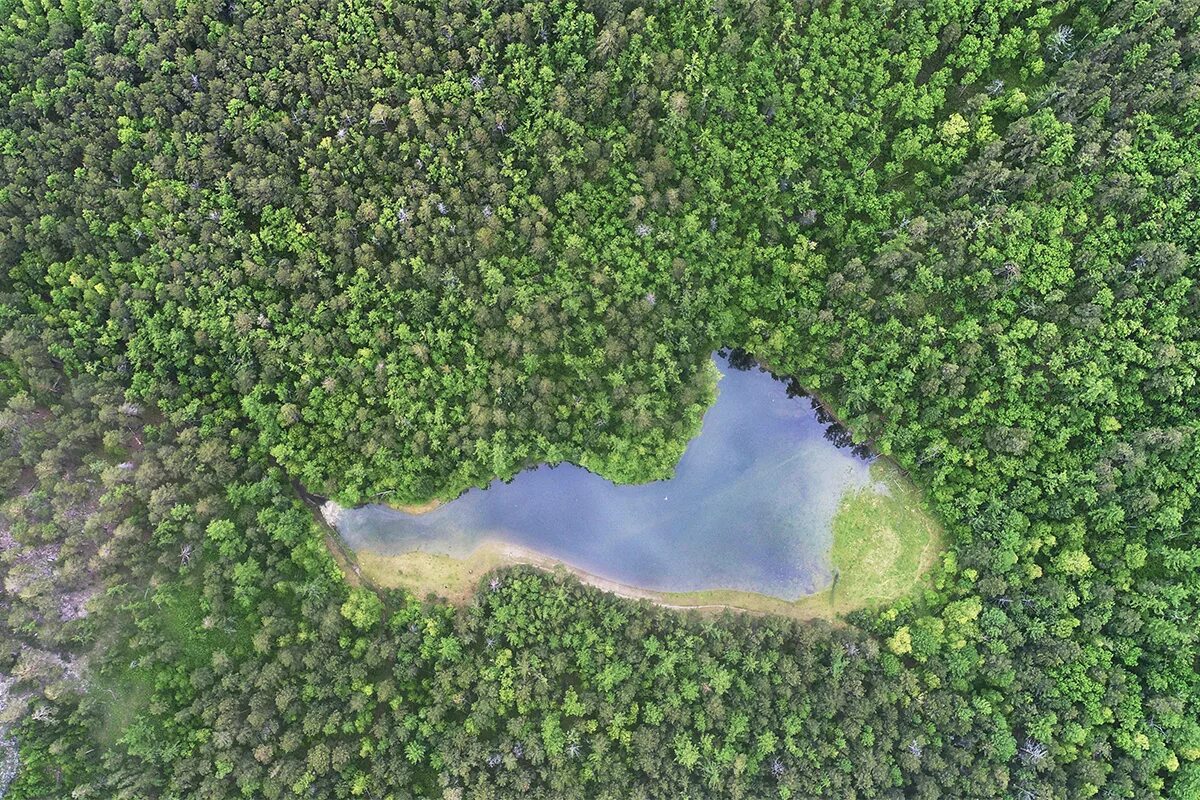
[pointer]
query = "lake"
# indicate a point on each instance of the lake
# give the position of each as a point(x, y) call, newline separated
point(750, 507)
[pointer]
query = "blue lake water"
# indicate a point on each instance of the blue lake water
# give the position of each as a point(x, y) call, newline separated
point(750, 506)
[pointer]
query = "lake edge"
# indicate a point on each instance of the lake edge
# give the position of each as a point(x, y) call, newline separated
point(457, 580)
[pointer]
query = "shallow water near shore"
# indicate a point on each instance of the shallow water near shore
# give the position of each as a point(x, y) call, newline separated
point(750, 507)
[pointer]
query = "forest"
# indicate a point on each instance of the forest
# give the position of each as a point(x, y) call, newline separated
point(387, 251)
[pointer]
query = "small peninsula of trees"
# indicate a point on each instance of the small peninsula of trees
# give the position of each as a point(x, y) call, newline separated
point(390, 250)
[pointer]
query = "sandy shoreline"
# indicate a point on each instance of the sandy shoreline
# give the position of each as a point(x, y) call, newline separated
point(458, 579)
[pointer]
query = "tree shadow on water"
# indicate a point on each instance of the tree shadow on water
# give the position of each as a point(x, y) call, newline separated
point(835, 432)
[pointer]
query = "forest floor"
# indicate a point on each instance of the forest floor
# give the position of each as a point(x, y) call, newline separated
point(884, 544)
point(176, 614)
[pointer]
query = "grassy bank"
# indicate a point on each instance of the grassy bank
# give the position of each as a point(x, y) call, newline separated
point(884, 542)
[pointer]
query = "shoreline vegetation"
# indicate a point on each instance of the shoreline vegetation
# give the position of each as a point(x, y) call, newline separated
point(417, 508)
point(884, 544)
point(615, 471)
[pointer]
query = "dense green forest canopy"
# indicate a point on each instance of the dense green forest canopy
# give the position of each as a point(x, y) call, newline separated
point(393, 250)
